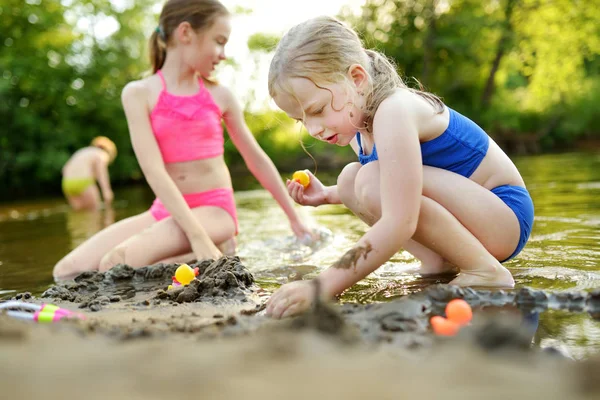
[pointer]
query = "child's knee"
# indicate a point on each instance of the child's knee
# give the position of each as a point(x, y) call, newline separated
point(346, 183)
point(112, 258)
point(369, 198)
point(366, 187)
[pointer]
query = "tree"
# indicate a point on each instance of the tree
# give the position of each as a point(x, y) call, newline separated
point(524, 69)
point(61, 85)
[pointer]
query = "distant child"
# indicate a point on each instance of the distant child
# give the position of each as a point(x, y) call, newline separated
point(428, 179)
point(84, 168)
point(174, 118)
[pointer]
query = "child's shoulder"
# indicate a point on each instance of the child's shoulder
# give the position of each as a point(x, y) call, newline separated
point(222, 95)
point(91, 153)
point(140, 89)
point(401, 103)
point(406, 104)
point(216, 87)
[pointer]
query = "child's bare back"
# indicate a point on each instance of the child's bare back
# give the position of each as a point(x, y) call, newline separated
point(82, 163)
point(81, 172)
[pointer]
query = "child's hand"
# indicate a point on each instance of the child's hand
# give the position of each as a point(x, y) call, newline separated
point(203, 250)
point(313, 195)
point(291, 299)
point(302, 231)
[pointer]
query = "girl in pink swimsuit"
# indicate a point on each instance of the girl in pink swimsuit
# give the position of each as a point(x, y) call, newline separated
point(174, 118)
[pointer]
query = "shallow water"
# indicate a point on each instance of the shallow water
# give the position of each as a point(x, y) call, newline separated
point(562, 254)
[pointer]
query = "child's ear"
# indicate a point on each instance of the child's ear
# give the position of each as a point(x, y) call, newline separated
point(184, 32)
point(358, 76)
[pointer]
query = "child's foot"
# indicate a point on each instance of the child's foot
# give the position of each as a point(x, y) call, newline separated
point(228, 247)
point(497, 277)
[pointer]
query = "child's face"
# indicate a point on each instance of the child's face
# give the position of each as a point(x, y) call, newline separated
point(331, 113)
point(207, 48)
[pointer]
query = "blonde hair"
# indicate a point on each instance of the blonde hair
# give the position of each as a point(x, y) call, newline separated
point(322, 50)
point(200, 14)
point(104, 143)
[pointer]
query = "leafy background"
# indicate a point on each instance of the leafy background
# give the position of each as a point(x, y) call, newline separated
point(526, 70)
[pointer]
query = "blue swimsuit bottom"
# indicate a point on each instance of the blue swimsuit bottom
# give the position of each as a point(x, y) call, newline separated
point(460, 149)
point(517, 198)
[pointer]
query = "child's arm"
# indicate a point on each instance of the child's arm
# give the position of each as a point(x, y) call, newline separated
point(148, 154)
point(399, 150)
point(331, 195)
point(101, 171)
point(258, 162)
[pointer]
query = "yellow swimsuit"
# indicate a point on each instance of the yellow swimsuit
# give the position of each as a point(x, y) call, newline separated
point(76, 186)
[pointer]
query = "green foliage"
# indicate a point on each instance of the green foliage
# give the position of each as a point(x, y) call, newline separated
point(527, 70)
point(263, 42)
point(545, 83)
point(61, 86)
point(241, 10)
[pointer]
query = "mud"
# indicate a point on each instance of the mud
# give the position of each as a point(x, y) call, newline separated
point(224, 301)
point(211, 338)
point(318, 355)
point(352, 256)
point(219, 280)
point(274, 365)
point(404, 323)
point(226, 278)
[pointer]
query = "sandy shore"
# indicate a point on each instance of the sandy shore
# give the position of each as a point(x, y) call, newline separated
point(211, 340)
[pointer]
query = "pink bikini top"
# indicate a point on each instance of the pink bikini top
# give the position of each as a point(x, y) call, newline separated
point(187, 128)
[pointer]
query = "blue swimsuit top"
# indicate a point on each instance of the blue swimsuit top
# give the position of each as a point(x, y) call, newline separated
point(460, 149)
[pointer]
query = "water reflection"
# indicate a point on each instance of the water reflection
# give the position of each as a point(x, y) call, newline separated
point(83, 224)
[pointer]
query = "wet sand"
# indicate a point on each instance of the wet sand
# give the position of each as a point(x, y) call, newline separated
point(211, 339)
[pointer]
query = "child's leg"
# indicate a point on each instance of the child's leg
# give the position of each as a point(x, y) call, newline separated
point(227, 248)
point(461, 221)
point(87, 256)
point(88, 200)
point(179, 259)
point(368, 208)
point(431, 262)
point(165, 241)
point(441, 231)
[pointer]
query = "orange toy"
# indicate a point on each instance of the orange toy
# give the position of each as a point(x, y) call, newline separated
point(302, 178)
point(459, 314)
point(444, 327)
point(459, 311)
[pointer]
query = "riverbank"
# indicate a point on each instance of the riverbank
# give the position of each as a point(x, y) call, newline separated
point(212, 339)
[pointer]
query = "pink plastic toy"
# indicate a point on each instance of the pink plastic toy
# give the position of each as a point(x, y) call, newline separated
point(41, 312)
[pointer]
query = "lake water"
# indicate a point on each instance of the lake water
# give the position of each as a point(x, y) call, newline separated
point(562, 254)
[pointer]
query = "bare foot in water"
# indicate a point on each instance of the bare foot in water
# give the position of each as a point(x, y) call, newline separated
point(498, 277)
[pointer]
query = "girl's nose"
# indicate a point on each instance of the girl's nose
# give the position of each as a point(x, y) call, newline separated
point(315, 131)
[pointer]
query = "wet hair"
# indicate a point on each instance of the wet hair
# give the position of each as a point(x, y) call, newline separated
point(200, 14)
point(104, 143)
point(322, 50)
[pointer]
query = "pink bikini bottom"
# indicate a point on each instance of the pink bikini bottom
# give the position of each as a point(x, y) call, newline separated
point(214, 198)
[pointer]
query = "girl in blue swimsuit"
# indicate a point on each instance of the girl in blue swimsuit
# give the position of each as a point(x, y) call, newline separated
point(428, 180)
